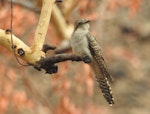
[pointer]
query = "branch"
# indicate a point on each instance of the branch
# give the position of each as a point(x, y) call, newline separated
point(42, 27)
point(38, 60)
point(60, 58)
point(35, 55)
point(5, 40)
point(58, 20)
point(49, 63)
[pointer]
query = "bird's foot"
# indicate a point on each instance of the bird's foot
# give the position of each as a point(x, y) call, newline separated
point(87, 59)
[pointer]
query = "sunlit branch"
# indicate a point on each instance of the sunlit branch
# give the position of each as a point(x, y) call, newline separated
point(28, 56)
point(36, 54)
point(42, 27)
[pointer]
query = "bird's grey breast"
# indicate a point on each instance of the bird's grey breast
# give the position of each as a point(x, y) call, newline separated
point(79, 43)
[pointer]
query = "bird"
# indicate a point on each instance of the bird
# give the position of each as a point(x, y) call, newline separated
point(84, 44)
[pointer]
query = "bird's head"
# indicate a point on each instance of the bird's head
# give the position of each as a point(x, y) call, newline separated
point(82, 23)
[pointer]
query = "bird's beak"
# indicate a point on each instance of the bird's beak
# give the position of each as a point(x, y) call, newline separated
point(87, 21)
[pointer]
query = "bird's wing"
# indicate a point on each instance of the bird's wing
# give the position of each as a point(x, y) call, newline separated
point(96, 51)
point(100, 69)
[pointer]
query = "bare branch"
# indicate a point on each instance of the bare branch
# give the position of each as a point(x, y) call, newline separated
point(43, 23)
point(48, 64)
point(28, 56)
point(35, 55)
point(63, 29)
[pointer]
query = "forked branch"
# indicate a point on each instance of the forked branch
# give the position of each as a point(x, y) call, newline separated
point(36, 54)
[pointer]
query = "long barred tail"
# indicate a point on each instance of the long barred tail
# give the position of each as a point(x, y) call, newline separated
point(96, 51)
point(100, 68)
point(106, 90)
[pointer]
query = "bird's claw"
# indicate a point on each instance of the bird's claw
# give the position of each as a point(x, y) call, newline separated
point(87, 59)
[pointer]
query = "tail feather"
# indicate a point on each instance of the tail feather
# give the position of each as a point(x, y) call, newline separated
point(100, 69)
point(106, 90)
point(103, 82)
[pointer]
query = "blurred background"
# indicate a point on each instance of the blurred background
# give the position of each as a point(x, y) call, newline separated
point(122, 28)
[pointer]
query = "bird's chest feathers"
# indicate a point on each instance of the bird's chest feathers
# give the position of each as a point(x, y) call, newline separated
point(80, 43)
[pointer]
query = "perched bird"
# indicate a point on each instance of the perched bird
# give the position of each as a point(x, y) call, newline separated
point(84, 44)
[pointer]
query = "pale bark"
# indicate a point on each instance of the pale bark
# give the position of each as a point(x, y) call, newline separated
point(34, 53)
